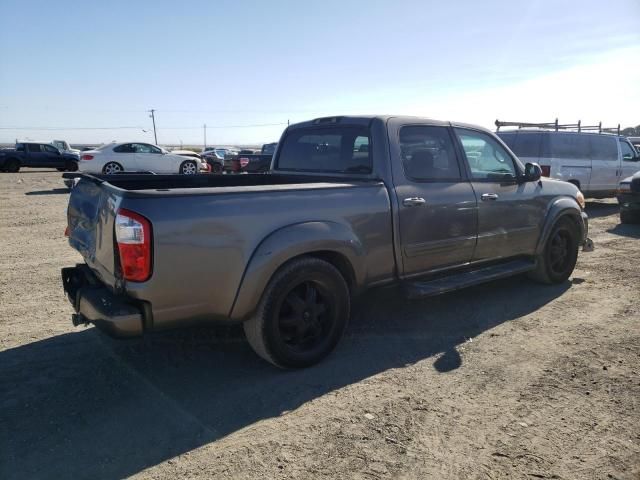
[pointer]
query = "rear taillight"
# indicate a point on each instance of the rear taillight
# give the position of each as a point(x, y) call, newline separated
point(546, 170)
point(86, 157)
point(244, 161)
point(133, 235)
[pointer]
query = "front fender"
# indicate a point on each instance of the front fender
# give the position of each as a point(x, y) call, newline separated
point(289, 242)
point(559, 208)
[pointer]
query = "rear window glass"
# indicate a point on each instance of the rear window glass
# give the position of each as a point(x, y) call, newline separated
point(563, 145)
point(603, 147)
point(336, 149)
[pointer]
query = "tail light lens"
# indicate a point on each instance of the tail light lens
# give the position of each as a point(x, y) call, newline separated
point(133, 235)
point(546, 170)
point(86, 157)
point(244, 161)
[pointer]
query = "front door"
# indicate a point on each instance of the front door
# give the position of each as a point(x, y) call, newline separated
point(437, 206)
point(53, 157)
point(149, 158)
point(510, 213)
point(630, 163)
point(605, 164)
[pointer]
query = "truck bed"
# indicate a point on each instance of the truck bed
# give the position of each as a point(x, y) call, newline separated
point(140, 182)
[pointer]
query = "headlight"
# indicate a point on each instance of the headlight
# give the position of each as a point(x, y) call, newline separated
point(624, 187)
point(580, 199)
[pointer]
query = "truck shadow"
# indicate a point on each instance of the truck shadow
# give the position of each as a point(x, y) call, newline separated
point(80, 405)
point(53, 191)
point(597, 209)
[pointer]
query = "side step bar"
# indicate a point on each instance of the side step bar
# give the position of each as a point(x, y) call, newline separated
point(427, 288)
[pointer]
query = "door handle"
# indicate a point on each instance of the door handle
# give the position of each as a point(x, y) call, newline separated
point(489, 196)
point(413, 202)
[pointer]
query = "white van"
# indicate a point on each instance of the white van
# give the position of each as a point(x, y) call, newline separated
point(594, 162)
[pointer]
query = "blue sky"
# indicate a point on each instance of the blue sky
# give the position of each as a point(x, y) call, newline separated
point(82, 65)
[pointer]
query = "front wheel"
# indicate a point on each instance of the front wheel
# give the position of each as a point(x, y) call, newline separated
point(560, 254)
point(302, 314)
point(188, 168)
point(216, 168)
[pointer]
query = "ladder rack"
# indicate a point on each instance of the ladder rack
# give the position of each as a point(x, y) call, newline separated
point(559, 126)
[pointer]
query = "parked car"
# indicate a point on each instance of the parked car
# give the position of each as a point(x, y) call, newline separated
point(215, 160)
point(351, 203)
point(594, 162)
point(629, 199)
point(64, 146)
point(269, 148)
point(137, 157)
point(192, 154)
point(36, 155)
point(256, 162)
point(635, 141)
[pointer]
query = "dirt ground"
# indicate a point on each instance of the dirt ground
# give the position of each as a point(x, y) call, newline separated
point(506, 380)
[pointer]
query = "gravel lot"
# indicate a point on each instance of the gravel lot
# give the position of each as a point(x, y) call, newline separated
point(507, 380)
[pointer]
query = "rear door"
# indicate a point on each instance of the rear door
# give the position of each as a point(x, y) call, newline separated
point(605, 164)
point(437, 206)
point(35, 156)
point(510, 213)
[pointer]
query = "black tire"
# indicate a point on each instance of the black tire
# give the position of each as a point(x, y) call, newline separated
point(188, 168)
point(71, 166)
point(12, 165)
point(302, 314)
point(216, 168)
point(629, 217)
point(112, 168)
point(560, 254)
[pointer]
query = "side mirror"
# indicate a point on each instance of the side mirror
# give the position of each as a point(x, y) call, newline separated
point(532, 172)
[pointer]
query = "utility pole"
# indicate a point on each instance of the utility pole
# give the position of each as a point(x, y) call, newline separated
point(153, 117)
point(205, 137)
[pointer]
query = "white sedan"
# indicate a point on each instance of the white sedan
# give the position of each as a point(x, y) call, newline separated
point(137, 157)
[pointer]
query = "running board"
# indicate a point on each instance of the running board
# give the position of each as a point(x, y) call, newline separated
point(427, 288)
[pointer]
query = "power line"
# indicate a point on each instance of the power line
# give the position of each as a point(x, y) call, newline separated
point(255, 125)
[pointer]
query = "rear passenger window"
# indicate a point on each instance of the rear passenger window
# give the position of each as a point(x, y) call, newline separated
point(428, 154)
point(126, 148)
point(33, 147)
point(567, 145)
point(603, 147)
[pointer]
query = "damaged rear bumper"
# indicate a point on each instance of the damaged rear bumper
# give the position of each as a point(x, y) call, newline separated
point(95, 303)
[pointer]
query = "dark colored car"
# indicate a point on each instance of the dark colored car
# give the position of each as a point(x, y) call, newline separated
point(36, 155)
point(350, 203)
point(629, 199)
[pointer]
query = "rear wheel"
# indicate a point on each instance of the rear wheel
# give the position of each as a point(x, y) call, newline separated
point(188, 168)
point(302, 314)
point(560, 254)
point(12, 166)
point(71, 166)
point(216, 168)
point(112, 168)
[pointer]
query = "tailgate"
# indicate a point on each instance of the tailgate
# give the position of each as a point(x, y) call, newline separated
point(90, 217)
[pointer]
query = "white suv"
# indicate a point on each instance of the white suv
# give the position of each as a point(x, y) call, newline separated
point(594, 162)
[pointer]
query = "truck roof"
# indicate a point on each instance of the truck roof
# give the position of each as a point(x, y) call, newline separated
point(367, 119)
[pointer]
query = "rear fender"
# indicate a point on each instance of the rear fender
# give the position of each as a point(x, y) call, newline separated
point(561, 207)
point(290, 242)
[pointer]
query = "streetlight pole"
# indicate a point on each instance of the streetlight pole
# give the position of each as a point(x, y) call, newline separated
point(153, 117)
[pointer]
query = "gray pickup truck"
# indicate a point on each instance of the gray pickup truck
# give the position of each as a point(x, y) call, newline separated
point(350, 203)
